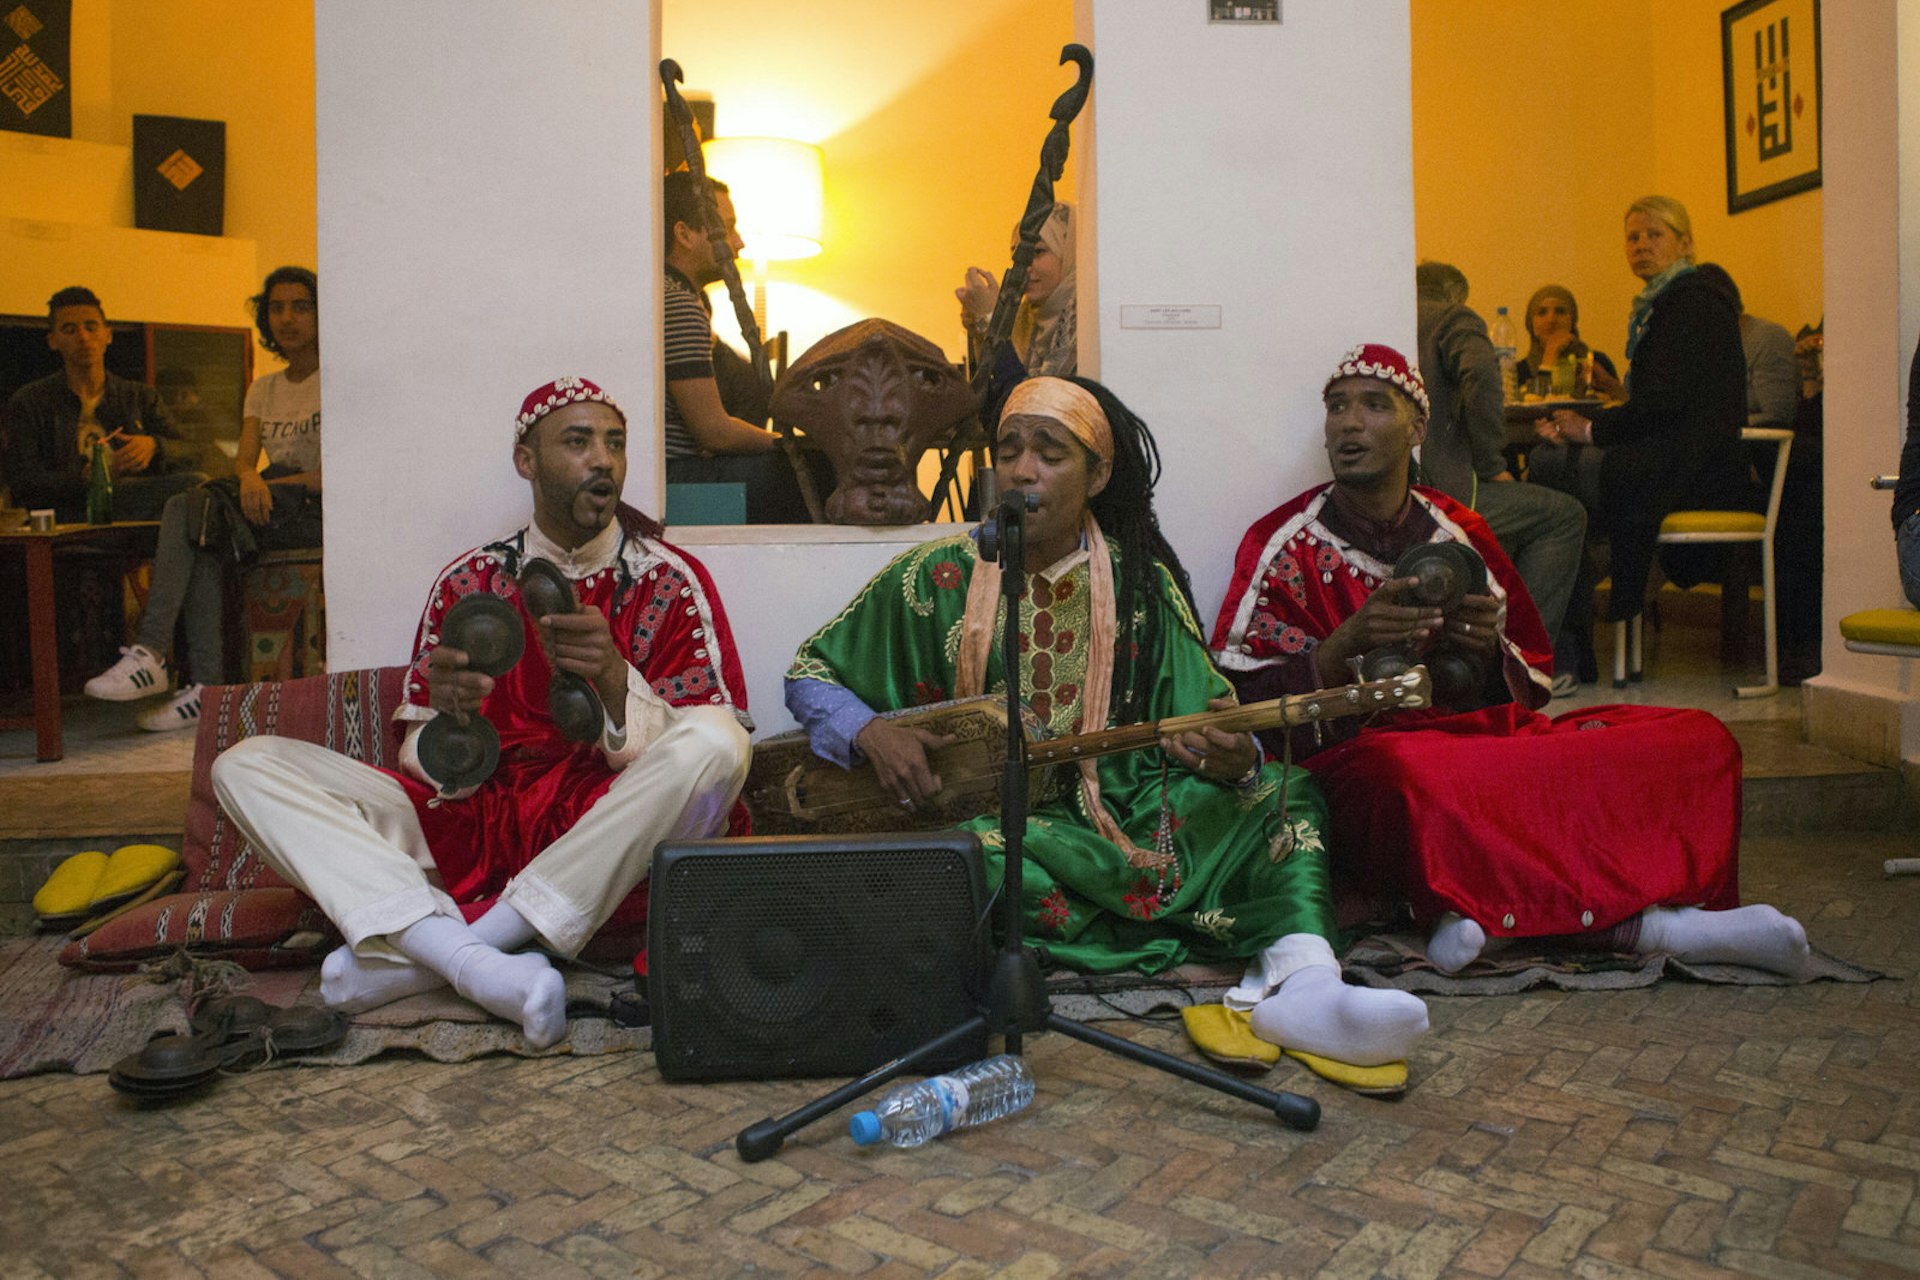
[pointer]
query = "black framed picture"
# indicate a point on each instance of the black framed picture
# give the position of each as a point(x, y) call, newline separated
point(36, 38)
point(1770, 65)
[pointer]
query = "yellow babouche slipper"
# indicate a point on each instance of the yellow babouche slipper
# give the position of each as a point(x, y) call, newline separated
point(69, 890)
point(1226, 1036)
point(113, 910)
point(132, 869)
point(1389, 1079)
point(92, 883)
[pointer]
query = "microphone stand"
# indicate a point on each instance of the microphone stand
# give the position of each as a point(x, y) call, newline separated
point(1017, 1002)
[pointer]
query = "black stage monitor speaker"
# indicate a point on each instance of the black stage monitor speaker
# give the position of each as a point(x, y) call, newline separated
point(812, 956)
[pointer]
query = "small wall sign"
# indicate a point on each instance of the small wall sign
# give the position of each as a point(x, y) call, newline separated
point(1169, 317)
point(1243, 10)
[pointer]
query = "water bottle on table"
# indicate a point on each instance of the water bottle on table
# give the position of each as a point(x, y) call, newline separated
point(909, 1115)
point(1505, 348)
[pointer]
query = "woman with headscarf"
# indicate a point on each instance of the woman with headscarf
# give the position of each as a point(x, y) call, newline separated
point(1553, 329)
point(1045, 338)
point(1675, 443)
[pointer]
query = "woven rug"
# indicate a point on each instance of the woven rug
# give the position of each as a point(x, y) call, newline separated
point(55, 1019)
point(1399, 961)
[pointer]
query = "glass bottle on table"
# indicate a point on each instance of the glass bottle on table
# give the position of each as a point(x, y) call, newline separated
point(1565, 374)
point(99, 486)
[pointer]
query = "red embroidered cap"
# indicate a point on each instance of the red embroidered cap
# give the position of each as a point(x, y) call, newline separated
point(1372, 360)
point(561, 391)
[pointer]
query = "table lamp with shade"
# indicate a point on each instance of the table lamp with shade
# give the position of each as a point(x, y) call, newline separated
point(776, 185)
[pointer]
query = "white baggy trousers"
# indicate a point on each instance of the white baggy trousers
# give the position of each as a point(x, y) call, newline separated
point(346, 834)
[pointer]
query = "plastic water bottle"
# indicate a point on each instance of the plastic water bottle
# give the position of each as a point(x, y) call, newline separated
point(911, 1114)
point(1505, 348)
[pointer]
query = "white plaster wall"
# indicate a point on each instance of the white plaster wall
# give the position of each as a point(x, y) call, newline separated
point(778, 594)
point(140, 275)
point(487, 216)
point(1871, 161)
point(1266, 170)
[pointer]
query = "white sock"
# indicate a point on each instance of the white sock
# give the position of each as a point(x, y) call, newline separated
point(1255, 985)
point(1281, 957)
point(1756, 935)
point(353, 984)
point(520, 988)
point(1456, 943)
point(1316, 1012)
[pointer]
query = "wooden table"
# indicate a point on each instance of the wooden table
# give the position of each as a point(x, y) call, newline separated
point(1522, 414)
point(137, 537)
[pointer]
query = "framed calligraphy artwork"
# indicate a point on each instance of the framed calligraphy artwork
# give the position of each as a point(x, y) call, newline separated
point(35, 37)
point(1770, 64)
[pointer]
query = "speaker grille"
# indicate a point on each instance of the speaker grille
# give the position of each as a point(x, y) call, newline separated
point(811, 956)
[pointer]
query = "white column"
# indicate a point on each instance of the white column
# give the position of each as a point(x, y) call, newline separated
point(1264, 172)
point(1871, 182)
point(488, 212)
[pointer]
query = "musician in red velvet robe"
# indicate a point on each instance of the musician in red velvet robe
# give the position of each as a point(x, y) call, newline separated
point(1492, 821)
point(549, 845)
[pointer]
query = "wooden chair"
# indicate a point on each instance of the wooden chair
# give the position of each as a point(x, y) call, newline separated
point(1736, 527)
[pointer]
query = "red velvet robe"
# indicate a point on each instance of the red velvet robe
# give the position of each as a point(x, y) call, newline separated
point(1531, 827)
point(666, 620)
point(1295, 580)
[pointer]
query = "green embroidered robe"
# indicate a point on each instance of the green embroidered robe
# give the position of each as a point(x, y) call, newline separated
point(896, 645)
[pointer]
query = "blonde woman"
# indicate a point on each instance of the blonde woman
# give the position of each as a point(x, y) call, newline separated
point(1675, 443)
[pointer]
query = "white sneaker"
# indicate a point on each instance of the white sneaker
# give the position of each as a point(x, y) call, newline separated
point(182, 711)
point(1565, 685)
point(140, 673)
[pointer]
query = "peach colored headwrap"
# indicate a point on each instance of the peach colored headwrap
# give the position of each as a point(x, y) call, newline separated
point(1074, 407)
point(1067, 403)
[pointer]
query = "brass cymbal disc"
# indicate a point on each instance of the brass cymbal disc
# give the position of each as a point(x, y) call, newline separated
point(455, 755)
point(487, 629)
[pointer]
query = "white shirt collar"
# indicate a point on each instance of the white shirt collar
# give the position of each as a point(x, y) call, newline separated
point(1066, 564)
point(590, 557)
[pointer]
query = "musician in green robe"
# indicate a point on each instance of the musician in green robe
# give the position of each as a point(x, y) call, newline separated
point(1193, 850)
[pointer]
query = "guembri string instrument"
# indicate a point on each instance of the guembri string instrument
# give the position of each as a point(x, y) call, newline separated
point(1053, 164)
point(790, 790)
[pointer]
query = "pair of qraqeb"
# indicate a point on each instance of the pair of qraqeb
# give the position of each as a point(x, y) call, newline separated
point(458, 750)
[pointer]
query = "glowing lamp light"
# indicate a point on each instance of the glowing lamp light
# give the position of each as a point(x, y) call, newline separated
point(776, 185)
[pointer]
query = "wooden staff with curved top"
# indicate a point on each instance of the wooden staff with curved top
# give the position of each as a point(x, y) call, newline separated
point(1053, 163)
point(670, 77)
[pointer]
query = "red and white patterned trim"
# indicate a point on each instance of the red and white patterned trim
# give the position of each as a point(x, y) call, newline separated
point(1373, 360)
point(561, 391)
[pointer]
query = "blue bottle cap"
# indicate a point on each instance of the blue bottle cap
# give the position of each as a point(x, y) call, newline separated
point(864, 1128)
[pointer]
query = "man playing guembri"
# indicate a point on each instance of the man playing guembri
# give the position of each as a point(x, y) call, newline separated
point(1149, 858)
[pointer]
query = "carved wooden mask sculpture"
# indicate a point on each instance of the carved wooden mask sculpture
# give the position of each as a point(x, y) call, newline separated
point(874, 397)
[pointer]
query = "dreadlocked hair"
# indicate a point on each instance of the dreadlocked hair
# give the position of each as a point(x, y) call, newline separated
point(1125, 512)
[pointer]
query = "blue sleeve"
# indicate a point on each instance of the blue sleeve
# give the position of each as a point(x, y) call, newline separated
point(832, 715)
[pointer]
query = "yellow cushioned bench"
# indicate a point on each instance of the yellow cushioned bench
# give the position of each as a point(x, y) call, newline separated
point(1714, 522)
point(1894, 632)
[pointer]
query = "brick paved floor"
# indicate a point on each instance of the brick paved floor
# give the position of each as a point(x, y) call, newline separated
point(1676, 1131)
